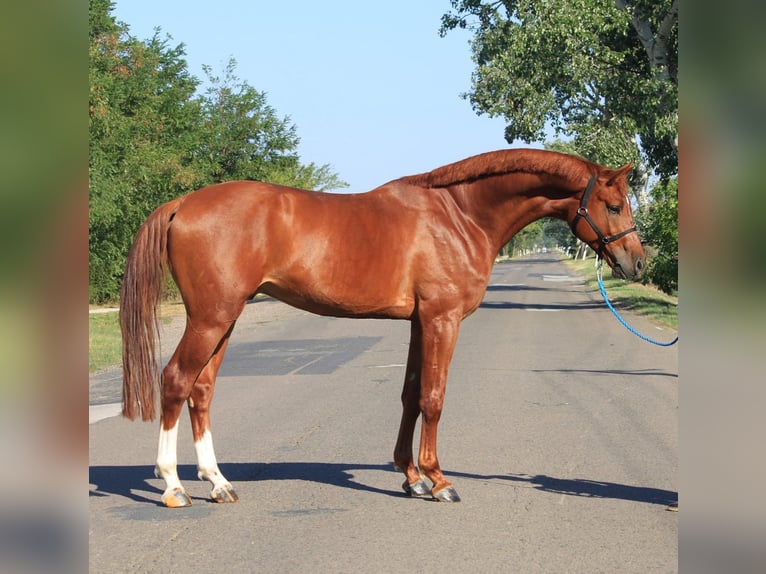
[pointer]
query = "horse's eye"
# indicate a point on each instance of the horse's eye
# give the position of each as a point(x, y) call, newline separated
point(614, 209)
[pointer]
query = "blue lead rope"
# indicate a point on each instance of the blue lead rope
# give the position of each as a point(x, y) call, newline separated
point(619, 318)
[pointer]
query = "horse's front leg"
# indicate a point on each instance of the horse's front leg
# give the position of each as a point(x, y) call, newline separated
point(199, 411)
point(431, 347)
point(439, 339)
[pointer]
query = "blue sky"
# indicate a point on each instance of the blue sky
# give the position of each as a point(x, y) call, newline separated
point(372, 88)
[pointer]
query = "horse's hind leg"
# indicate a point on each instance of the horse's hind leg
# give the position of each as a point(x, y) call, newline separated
point(414, 484)
point(199, 411)
point(198, 345)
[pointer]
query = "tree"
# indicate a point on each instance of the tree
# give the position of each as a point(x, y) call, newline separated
point(659, 227)
point(153, 138)
point(601, 71)
point(557, 233)
point(528, 238)
point(142, 121)
point(243, 138)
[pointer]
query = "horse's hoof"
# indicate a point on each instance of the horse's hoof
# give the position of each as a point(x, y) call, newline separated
point(448, 494)
point(416, 489)
point(224, 493)
point(176, 498)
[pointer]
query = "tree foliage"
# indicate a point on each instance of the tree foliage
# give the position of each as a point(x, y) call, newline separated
point(546, 233)
point(659, 227)
point(243, 138)
point(601, 71)
point(154, 137)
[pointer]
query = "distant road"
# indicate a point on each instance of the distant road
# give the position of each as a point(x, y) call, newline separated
point(559, 432)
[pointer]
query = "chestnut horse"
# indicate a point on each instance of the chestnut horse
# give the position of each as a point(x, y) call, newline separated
point(419, 248)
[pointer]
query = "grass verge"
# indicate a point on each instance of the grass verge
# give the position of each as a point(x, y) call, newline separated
point(105, 339)
point(625, 295)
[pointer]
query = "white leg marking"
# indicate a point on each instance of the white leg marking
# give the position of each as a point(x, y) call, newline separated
point(207, 465)
point(166, 457)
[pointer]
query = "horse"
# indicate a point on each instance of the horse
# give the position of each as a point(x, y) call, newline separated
point(420, 248)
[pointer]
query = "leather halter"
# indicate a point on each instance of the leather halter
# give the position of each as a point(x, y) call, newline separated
point(582, 213)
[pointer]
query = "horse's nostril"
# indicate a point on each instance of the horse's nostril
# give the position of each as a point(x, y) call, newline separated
point(639, 265)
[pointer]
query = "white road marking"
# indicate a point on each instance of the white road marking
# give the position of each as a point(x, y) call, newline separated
point(100, 412)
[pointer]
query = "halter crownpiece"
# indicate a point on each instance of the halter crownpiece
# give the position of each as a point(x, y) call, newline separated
point(582, 213)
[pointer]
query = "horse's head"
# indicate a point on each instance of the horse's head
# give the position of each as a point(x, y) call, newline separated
point(604, 221)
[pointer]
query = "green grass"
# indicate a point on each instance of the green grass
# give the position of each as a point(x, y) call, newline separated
point(105, 339)
point(625, 295)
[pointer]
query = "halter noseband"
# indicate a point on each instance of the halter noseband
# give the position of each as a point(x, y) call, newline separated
point(582, 213)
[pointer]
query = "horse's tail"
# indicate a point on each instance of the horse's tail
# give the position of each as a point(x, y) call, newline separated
point(142, 286)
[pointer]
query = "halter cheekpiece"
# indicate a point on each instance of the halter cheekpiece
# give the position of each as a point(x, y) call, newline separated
point(582, 213)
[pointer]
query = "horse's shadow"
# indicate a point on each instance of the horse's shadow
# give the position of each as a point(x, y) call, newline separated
point(585, 487)
point(131, 481)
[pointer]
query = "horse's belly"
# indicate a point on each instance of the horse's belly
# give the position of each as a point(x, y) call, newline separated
point(342, 299)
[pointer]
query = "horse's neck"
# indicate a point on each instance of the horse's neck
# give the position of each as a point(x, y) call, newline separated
point(504, 205)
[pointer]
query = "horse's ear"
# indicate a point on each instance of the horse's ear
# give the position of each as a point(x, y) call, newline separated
point(620, 172)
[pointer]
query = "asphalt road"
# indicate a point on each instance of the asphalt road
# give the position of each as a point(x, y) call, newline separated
point(559, 433)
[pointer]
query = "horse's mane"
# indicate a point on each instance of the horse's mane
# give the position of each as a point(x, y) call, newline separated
point(502, 162)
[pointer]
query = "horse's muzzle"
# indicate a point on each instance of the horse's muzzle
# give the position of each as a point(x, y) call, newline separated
point(632, 273)
point(639, 267)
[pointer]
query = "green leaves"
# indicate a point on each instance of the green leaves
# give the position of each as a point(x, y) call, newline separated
point(603, 73)
point(659, 228)
point(153, 137)
point(242, 137)
point(586, 68)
